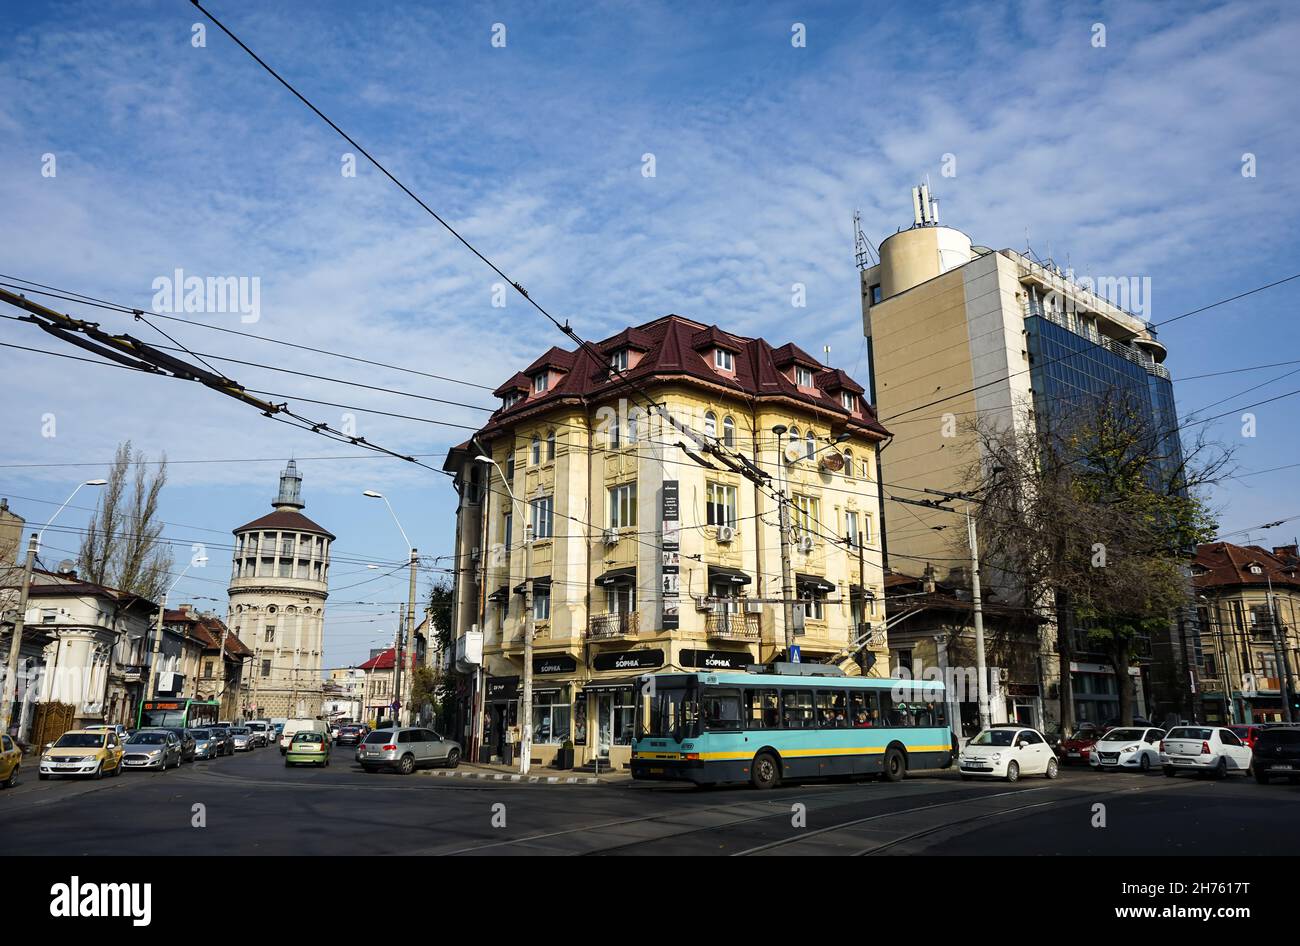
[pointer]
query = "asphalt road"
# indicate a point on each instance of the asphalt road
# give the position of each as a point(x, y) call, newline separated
point(252, 804)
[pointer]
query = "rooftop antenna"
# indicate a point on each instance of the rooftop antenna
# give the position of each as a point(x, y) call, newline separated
point(864, 253)
point(826, 355)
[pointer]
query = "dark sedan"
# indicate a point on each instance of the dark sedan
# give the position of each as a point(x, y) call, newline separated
point(351, 735)
point(225, 739)
point(1276, 753)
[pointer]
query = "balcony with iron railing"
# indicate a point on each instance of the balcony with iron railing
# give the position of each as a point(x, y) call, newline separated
point(613, 626)
point(733, 625)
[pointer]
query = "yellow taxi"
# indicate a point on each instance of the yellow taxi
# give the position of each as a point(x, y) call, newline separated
point(93, 752)
point(11, 758)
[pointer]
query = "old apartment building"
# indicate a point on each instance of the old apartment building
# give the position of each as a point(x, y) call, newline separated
point(646, 555)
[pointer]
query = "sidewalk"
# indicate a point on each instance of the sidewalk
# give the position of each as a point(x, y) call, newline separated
point(538, 775)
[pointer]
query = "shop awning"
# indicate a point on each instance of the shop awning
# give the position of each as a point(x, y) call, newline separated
point(857, 591)
point(607, 686)
point(541, 583)
point(616, 575)
point(723, 573)
point(501, 594)
point(813, 582)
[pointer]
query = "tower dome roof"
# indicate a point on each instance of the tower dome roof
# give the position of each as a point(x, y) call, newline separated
point(287, 503)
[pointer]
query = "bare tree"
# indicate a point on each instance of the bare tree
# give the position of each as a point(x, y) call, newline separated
point(123, 547)
point(1091, 512)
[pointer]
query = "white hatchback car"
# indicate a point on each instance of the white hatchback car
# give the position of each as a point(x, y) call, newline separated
point(1211, 749)
point(1127, 748)
point(1008, 752)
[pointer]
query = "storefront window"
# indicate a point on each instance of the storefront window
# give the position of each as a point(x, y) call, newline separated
point(550, 718)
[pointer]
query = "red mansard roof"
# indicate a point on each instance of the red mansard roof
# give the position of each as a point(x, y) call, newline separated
point(677, 348)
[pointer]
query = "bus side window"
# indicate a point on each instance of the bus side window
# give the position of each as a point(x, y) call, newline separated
point(797, 707)
point(888, 715)
point(830, 709)
point(859, 712)
point(753, 709)
point(771, 709)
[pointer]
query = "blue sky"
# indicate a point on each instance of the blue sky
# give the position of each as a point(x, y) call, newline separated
point(1123, 160)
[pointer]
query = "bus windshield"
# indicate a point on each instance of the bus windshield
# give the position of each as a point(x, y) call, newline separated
point(163, 716)
point(672, 710)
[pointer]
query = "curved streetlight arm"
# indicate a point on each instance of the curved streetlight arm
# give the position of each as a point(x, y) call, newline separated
point(65, 506)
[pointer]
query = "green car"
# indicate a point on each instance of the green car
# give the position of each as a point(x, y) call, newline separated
point(312, 748)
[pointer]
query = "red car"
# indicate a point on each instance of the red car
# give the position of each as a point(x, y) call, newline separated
point(1078, 747)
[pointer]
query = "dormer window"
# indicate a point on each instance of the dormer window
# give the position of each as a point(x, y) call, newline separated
point(1256, 570)
point(541, 381)
point(724, 360)
point(510, 400)
point(850, 401)
point(803, 376)
point(618, 360)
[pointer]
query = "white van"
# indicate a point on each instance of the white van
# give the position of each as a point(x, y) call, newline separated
point(294, 726)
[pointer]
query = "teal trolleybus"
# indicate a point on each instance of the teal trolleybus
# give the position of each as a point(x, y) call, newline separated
point(762, 727)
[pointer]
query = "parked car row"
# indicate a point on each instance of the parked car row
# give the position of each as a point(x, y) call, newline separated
point(107, 749)
point(1010, 750)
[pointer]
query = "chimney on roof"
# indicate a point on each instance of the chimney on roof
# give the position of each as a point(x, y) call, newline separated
point(186, 608)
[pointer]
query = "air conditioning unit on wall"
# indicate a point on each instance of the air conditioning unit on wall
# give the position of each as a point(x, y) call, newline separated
point(726, 533)
point(610, 536)
point(805, 544)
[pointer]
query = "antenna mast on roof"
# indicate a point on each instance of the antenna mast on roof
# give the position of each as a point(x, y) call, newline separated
point(864, 253)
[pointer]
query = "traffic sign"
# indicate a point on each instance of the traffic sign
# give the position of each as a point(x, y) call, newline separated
point(794, 654)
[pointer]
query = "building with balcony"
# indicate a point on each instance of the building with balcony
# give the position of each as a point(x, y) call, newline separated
point(94, 664)
point(649, 552)
point(1248, 602)
point(960, 334)
point(278, 585)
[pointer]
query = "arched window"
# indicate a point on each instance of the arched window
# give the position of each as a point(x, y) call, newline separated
point(794, 435)
point(728, 431)
point(710, 424)
point(615, 432)
point(848, 462)
point(633, 421)
point(550, 445)
point(810, 445)
point(537, 450)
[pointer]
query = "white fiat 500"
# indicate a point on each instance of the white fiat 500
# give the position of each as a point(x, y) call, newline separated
point(1008, 752)
point(1209, 749)
point(1133, 748)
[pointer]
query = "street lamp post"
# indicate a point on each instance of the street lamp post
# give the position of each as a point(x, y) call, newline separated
point(406, 627)
point(526, 697)
point(15, 644)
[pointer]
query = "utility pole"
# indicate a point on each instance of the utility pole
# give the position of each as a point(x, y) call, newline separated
point(972, 538)
point(397, 664)
point(526, 698)
point(981, 671)
point(410, 627)
point(15, 645)
point(783, 521)
point(1284, 681)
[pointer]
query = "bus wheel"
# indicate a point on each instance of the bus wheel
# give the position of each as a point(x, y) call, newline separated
point(895, 767)
point(764, 771)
